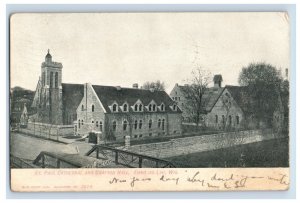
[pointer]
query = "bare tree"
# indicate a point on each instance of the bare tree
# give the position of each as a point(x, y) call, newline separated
point(157, 85)
point(194, 90)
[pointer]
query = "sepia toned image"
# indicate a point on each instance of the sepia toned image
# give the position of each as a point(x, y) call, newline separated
point(149, 101)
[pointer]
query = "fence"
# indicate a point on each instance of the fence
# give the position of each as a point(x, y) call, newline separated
point(16, 162)
point(47, 130)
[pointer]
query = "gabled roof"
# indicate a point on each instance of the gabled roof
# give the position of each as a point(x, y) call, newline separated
point(211, 97)
point(108, 94)
point(243, 96)
point(72, 95)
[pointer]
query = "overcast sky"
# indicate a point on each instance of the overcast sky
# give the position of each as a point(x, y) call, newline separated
point(122, 49)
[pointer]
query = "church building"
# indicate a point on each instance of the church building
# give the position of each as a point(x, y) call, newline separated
point(116, 112)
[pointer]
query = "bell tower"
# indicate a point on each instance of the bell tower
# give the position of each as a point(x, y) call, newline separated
point(51, 101)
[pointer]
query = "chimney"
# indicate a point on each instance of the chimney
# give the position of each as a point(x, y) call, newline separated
point(218, 81)
point(151, 89)
point(118, 88)
point(135, 85)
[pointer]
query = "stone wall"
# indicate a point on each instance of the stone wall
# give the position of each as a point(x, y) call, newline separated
point(89, 120)
point(187, 145)
point(170, 126)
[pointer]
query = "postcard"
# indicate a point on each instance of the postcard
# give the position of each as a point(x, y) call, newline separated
point(178, 101)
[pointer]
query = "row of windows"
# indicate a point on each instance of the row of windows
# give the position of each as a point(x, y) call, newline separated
point(99, 124)
point(137, 107)
point(139, 124)
point(176, 98)
point(51, 79)
point(237, 119)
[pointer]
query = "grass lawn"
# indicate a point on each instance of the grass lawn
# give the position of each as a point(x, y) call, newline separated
point(269, 153)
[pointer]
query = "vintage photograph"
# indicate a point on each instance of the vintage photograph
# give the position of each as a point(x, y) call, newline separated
point(150, 90)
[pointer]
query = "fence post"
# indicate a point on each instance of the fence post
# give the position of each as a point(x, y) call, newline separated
point(97, 153)
point(57, 133)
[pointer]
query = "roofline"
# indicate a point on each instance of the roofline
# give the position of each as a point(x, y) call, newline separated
point(96, 97)
point(216, 100)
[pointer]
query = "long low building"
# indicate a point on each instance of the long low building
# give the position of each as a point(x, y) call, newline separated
point(118, 112)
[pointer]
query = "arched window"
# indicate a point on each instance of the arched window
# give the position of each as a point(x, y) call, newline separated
point(92, 122)
point(140, 107)
point(135, 124)
point(51, 79)
point(136, 107)
point(150, 107)
point(223, 119)
point(237, 120)
point(97, 124)
point(162, 107)
point(78, 123)
point(125, 107)
point(101, 126)
point(140, 124)
point(174, 107)
point(154, 107)
point(150, 124)
point(115, 106)
point(230, 120)
point(159, 123)
point(93, 108)
point(43, 79)
point(82, 107)
point(216, 118)
point(56, 80)
point(114, 125)
point(124, 125)
point(163, 124)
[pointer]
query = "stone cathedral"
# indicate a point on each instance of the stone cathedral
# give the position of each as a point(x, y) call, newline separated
point(55, 102)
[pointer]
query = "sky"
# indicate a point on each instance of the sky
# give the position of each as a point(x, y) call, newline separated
point(120, 49)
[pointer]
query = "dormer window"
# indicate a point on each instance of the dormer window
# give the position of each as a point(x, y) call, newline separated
point(174, 107)
point(154, 107)
point(136, 107)
point(125, 107)
point(162, 107)
point(114, 107)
